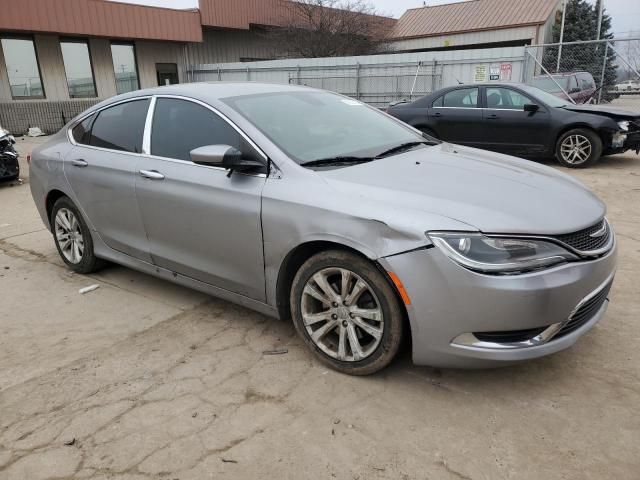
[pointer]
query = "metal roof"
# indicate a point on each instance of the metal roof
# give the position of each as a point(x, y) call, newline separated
point(241, 14)
point(101, 18)
point(472, 16)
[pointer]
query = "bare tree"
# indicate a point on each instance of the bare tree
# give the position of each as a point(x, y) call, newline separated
point(330, 28)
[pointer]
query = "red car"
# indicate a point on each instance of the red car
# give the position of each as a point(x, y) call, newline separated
point(580, 86)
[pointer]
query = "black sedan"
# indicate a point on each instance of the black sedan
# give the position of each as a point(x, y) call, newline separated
point(523, 120)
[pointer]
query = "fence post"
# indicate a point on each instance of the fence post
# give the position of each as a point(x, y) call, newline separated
point(298, 75)
point(248, 74)
point(219, 74)
point(415, 79)
point(434, 72)
point(604, 67)
point(358, 80)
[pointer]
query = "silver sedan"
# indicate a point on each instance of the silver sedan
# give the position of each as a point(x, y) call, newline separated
point(307, 205)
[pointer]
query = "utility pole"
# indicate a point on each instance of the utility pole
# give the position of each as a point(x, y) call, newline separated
point(564, 14)
point(600, 9)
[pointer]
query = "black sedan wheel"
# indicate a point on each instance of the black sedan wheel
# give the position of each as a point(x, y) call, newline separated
point(579, 148)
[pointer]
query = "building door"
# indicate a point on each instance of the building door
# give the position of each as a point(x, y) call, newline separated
point(167, 73)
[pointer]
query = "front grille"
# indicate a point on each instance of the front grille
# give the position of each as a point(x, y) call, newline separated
point(586, 312)
point(583, 241)
point(509, 336)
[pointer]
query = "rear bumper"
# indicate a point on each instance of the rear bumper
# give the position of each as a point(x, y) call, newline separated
point(449, 302)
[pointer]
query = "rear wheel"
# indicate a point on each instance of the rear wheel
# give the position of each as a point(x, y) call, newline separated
point(347, 312)
point(73, 238)
point(578, 148)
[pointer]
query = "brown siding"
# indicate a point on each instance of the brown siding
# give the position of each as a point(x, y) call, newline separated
point(101, 18)
point(241, 14)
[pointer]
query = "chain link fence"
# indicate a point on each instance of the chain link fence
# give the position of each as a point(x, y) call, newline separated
point(377, 80)
point(585, 72)
point(379, 90)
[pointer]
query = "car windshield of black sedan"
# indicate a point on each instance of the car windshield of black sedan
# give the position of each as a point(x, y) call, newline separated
point(550, 100)
point(311, 126)
point(549, 85)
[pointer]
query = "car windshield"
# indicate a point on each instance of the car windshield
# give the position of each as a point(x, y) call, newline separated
point(315, 126)
point(548, 85)
point(549, 99)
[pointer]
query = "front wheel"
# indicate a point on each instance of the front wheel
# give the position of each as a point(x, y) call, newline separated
point(578, 148)
point(347, 312)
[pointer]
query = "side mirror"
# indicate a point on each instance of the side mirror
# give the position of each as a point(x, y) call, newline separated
point(531, 107)
point(224, 156)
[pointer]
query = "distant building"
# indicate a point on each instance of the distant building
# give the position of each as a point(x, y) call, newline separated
point(476, 24)
point(58, 57)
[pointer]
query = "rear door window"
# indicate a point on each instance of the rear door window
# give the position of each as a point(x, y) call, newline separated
point(180, 126)
point(121, 127)
point(461, 98)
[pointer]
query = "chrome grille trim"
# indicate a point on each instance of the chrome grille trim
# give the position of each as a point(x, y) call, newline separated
point(590, 240)
point(608, 245)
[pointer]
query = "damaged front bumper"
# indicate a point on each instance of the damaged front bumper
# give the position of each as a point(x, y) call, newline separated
point(9, 166)
point(624, 140)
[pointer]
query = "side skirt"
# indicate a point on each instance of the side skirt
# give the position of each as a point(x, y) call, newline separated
point(107, 253)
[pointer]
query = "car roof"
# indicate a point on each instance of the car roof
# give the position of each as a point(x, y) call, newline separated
point(207, 92)
point(563, 74)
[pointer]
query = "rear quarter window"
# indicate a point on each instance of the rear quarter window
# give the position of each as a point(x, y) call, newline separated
point(81, 133)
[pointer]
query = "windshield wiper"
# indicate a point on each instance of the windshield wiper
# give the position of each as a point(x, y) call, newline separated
point(402, 147)
point(345, 160)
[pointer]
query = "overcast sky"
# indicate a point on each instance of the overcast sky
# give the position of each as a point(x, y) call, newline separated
point(625, 13)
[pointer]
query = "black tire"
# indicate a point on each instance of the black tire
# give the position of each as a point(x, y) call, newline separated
point(385, 298)
point(595, 145)
point(89, 262)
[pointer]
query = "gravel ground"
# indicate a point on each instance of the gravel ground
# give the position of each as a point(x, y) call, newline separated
point(142, 379)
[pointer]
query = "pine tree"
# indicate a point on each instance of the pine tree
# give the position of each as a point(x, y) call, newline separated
point(581, 23)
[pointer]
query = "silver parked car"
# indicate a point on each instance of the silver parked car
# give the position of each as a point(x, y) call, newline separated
point(308, 205)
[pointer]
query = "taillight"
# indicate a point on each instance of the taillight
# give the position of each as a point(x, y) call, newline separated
point(28, 159)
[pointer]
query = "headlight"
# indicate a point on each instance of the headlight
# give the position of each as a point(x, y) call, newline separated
point(624, 126)
point(499, 255)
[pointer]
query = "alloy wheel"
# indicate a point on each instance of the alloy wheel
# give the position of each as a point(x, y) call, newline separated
point(575, 149)
point(342, 314)
point(69, 235)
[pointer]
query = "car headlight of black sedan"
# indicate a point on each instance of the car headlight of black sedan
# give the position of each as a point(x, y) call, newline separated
point(499, 255)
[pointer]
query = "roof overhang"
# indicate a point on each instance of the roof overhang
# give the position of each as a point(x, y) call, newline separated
point(101, 18)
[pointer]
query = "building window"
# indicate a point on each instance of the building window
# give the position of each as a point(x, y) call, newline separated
point(124, 66)
point(22, 68)
point(77, 65)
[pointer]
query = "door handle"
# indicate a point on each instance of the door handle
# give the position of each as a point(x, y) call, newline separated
point(493, 117)
point(437, 114)
point(152, 174)
point(79, 162)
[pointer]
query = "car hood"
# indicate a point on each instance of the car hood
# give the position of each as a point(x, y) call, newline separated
point(607, 111)
point(491, 192)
